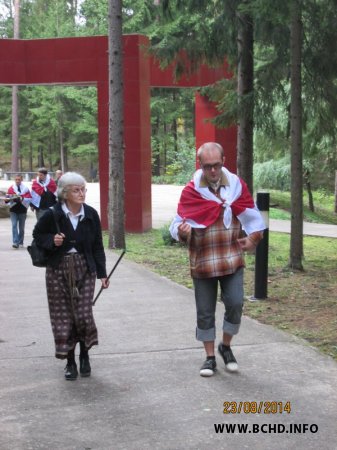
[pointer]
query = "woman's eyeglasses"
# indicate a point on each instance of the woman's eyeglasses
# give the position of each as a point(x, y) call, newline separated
point(77, 191)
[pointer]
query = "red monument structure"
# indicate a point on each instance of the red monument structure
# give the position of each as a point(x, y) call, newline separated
point(84, 61)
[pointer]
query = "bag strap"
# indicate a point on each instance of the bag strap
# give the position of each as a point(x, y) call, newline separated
point(56, 221)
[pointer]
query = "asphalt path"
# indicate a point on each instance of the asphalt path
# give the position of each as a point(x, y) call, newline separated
point(145, 391)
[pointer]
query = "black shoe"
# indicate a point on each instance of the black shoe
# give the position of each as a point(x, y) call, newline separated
point(70, 371)
point(85, 369)
point(15, 245)
point(208, 368)
point(228, 357)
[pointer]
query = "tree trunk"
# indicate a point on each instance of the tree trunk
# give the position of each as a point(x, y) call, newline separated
point(30, 157)
point(15, 129)
point(116, 128)
point(40, 161)
point(65, 156)
point(164, 154)
point(336, 192)
point(61, 142)
point(156, 151)
point(296, 239)
point(306, 177)
point(15, 99)
point(174, 125)
point(245, 98)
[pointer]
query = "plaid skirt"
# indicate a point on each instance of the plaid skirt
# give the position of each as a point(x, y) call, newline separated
point(70, 292)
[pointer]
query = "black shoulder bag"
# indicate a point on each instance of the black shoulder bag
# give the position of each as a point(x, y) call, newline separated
point(39, 254)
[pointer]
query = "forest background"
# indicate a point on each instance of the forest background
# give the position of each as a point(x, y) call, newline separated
point(58, 120)
point(58, 126)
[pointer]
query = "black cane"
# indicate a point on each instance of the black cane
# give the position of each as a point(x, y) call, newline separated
point(112, 271)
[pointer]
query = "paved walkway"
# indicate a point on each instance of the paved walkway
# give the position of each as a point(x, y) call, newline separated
point(145, 391)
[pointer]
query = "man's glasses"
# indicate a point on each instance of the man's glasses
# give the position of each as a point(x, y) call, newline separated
point(209, 167)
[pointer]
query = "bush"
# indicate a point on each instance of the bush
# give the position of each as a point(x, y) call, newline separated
point(272, 175)
point(180, 166)
point(166, 235)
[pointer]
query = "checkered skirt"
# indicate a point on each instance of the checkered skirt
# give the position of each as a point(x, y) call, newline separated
point(71, 316)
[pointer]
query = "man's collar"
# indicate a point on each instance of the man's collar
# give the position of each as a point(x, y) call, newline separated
point(223, 181)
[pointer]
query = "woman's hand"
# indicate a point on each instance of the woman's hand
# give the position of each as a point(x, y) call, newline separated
point(58, 239)
point(105, 283)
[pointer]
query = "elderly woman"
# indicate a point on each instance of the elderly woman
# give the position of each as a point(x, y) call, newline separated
point(76, 259)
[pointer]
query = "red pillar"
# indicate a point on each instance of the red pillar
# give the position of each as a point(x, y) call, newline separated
point(137, 134)
point(103, 149)
point(137, 138)
point(205, 131)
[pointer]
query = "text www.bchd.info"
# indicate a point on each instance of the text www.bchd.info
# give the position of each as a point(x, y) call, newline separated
point(267, 428)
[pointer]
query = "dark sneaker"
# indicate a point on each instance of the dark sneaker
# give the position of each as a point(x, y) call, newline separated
point(228, 357)
point(15, 245)
point(85, 369)
point(208, 368)
point(70, 371)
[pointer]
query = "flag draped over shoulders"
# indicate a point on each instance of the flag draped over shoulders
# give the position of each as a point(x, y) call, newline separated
point(195, 208)
point(24, 193)
point(38, 189)
point(200, 208)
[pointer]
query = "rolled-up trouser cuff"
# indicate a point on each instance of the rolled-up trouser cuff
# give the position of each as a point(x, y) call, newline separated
point(205, 335)
point(230, 328)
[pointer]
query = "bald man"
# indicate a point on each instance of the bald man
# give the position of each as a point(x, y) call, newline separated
point(218, 220)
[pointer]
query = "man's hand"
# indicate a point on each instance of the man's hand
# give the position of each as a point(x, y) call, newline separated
point(247, 244)
point(184, 230)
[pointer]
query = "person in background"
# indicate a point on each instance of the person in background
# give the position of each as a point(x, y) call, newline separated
point(19, 198)
point(43, 192)
point(58, 175)
point(76, 259)
point(213, 209)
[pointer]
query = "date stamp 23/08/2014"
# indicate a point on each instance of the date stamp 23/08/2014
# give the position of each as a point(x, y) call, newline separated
point(261, 407)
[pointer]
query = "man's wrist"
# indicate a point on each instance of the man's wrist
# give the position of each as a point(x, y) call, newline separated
point(255, 237)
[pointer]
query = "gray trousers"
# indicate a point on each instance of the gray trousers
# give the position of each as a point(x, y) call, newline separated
point(206, 292)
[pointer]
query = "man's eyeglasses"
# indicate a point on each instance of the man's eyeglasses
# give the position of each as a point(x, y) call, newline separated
point(209, 167)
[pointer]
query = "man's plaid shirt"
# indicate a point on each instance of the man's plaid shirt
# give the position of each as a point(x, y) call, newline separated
point(214, 251)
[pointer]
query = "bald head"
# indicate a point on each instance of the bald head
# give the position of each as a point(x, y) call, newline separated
point(211, 161)
point(209, 147)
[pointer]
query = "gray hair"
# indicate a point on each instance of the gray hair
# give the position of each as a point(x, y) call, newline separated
point(207, 146)
point(66, 180)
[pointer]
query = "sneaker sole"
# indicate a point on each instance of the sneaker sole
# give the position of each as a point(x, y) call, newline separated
point(232, 367)
point(206, 373)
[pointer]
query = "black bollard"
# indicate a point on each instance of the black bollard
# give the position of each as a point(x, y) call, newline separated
point(261, 256)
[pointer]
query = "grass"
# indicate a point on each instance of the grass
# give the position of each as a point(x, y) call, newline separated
point(301, 303)
point(323, 205)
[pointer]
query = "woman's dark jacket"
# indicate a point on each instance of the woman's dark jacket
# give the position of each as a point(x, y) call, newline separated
point(90, 240)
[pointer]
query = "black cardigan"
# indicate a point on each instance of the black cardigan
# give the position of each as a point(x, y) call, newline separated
point(45, 230)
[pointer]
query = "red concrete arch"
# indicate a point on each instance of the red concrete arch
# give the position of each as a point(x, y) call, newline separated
point(84, 61)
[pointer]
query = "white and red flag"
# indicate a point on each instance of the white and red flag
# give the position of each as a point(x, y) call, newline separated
point(200, 208)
